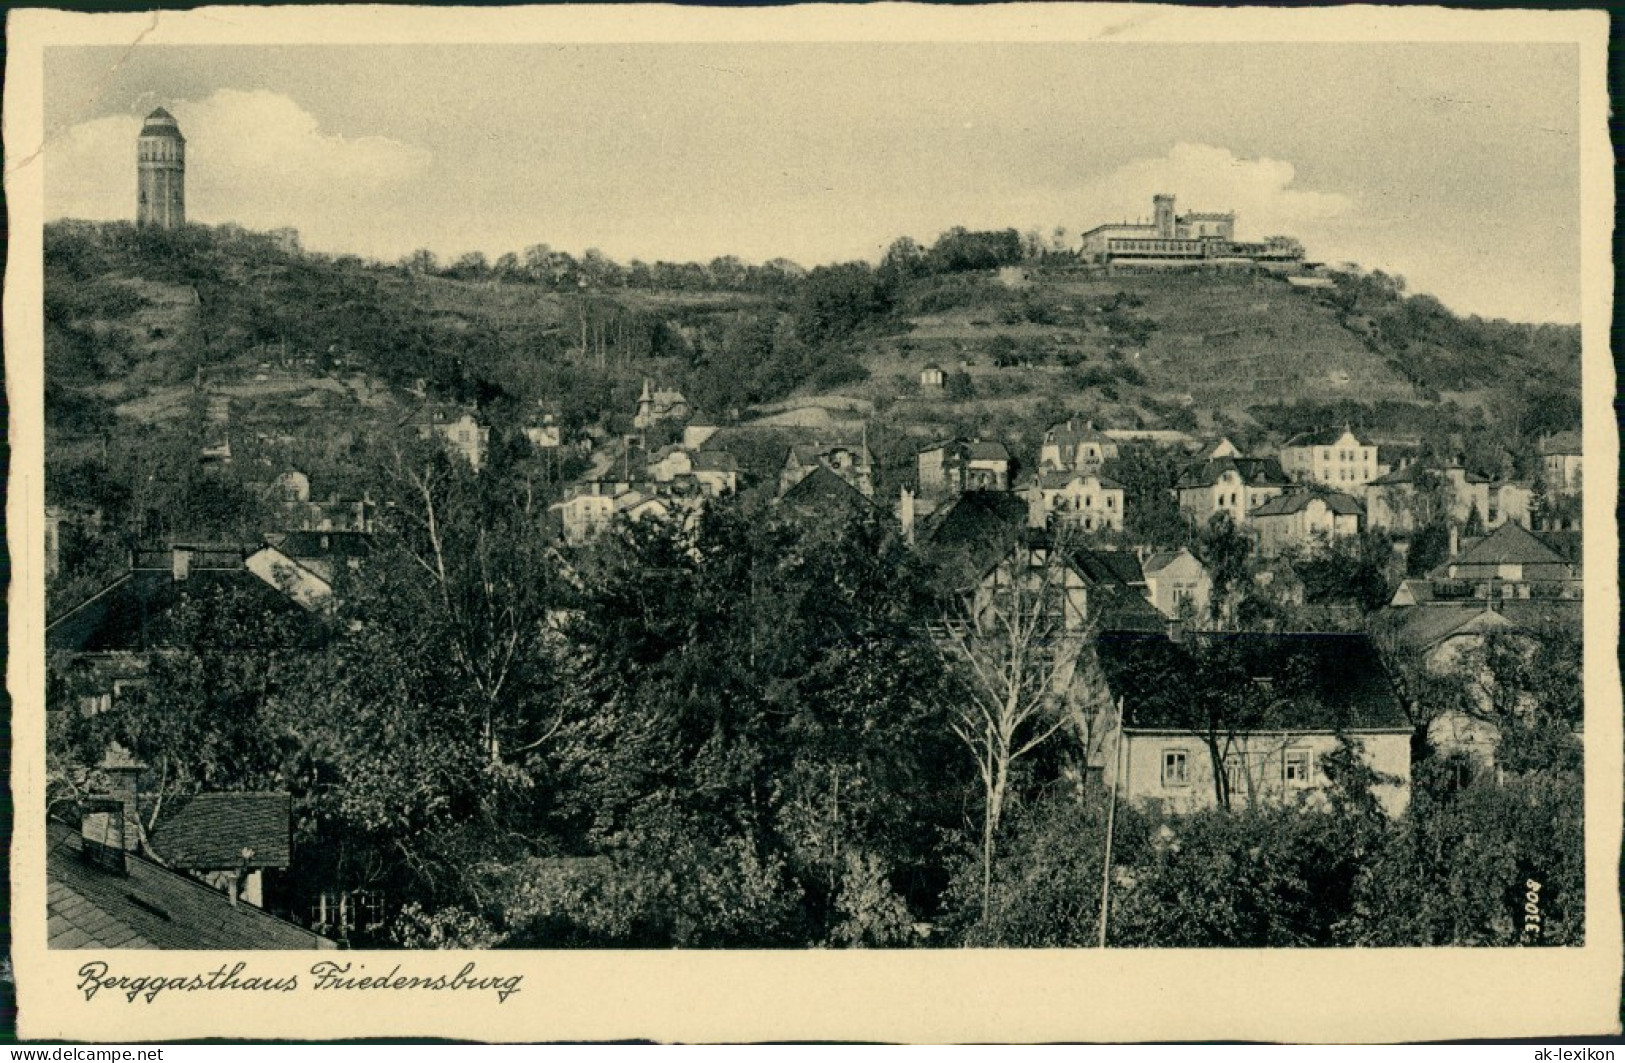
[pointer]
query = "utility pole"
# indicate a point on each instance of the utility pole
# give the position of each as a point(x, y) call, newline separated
point(1111, 818)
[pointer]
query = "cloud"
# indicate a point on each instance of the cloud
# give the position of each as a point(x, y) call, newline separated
point(257, 158)
point(1208, 178)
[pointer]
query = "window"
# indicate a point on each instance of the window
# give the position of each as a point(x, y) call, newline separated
point(1175, 768)
point(1297, 766)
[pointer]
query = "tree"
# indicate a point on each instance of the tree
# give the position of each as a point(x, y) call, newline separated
point(1222, 547)
point(1460, 867)
point(1350, 568)
point(753, 686)
point(422, 262)
point(203, 714)
point(1430, 548)
point(1474, 527)
point(1046, 878)
point(1019, 655)
point(1264, 877)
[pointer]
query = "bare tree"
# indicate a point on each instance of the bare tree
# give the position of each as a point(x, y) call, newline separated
point(1021, 644)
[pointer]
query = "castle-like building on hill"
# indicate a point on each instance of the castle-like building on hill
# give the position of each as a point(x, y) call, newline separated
point(161, 172)
point(1172, 239)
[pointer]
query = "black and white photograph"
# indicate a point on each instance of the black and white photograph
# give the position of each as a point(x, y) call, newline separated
point(918, 495)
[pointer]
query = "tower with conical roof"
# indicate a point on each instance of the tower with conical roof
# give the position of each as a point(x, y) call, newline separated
point(161, 172)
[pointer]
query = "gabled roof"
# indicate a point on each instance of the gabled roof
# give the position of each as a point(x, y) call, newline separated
point(1163, 558)
point(822, 489)
point(976, 532)
point(1123, 609)
point(1297, 501)
point(1110, 566)
point(1070, 433)
point(210, 831)
point(1261, 472)
point(150, 907)
point(1427, 624)
point(1318, 681)
point(1323, 437)
point(1510, 544)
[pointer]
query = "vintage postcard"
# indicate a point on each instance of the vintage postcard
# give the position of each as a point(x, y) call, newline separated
point(889, 523)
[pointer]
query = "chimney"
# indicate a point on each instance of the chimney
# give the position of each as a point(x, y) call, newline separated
point(124, 776)
point(905, 514)
point(101, 833)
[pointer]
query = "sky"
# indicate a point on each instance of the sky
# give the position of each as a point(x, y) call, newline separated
point(1453, 165)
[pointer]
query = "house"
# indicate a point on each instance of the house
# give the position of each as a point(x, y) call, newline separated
point(1073, 447)
point(1333, 457)
point(228, 840)
point(1303, 520)
point(589, 507)
point(1510, 562)
point(305, 564)
point(1439, 632)
point(854, 464)
point(1392, 499)
point(717, 472)
point(1178, 584)
point(1235, 486)
point(1085, 500)
point(954, 466)
point(823, 490)
point(1278, 704)
point(712, 472)
point(1561, 461)
point(127, 615)
point(454, 426)
point(99, 895)
point(972, 533)
point(995, 563)
point(932, 376)
point(657, 405)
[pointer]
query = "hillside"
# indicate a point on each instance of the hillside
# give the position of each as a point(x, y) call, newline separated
point(139, 320)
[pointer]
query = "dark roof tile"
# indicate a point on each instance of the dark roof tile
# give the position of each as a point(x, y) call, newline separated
point(1316, 681)
point(210, 831)
point(151, 907)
